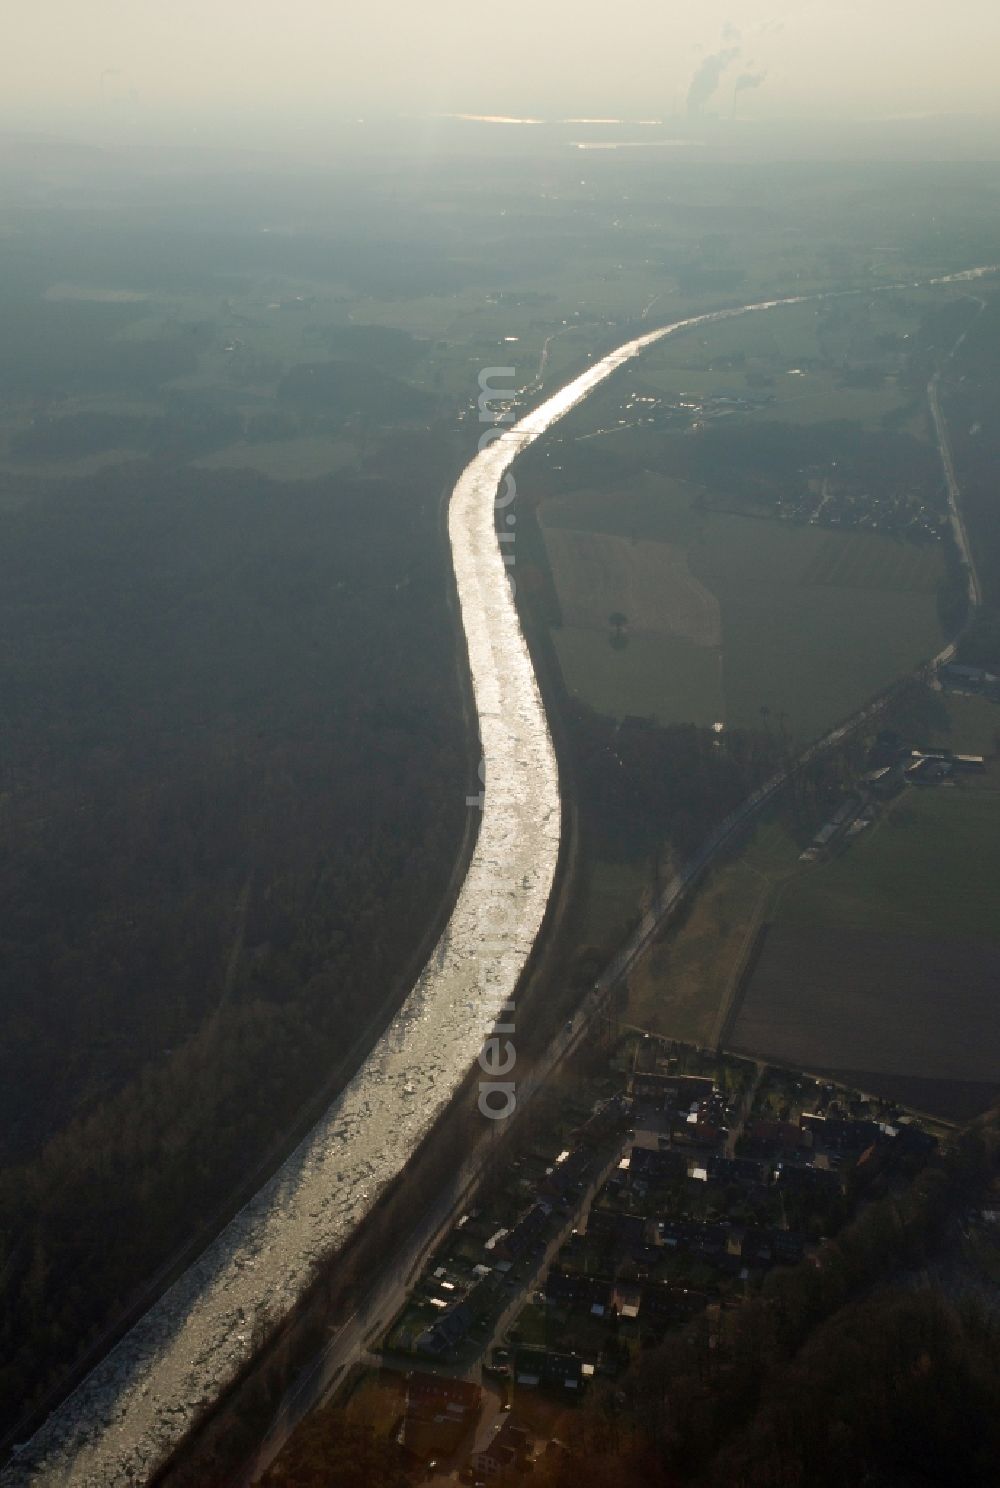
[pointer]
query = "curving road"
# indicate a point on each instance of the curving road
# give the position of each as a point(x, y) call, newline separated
point(127, 1416)
point(956, 516)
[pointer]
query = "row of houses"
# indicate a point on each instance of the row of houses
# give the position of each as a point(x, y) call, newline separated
point(524, 1237)
point(764, 1139)
point(459, 1315)
point(602, 1297)
point(647, 1239)
point(617, 1227)
point(806, 1179)
point(755, 1245)
point(539, 1367)
point(461, 1307)
point(839, 1134)
point(568, 1173)
point(667, 1092)
point(645, 1168)
point(570, 1169)
point(608, 1116)
point(969, 679)
point(746, 1171)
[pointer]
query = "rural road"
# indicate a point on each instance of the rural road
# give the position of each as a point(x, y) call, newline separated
point(385, 1299)
point(125, 1419)
point(388, 1295)
point(356, 1338)
point(951, 480)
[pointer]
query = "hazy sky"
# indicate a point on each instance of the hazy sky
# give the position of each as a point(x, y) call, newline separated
point(193, 59)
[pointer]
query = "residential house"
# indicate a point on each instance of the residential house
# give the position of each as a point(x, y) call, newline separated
point(548, 1368)
point(607, 1117)
point(611, 1224)
point(746, 1171)
point(438, 1413)
point(526, 1235)
point(577, 1292)
point(656, 1168)
point(665, 1091)
point(510, 1450)
point(569, 1170)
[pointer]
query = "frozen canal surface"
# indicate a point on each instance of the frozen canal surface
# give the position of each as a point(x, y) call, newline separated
point(136, 1406)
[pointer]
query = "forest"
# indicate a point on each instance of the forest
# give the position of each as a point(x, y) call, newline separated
point(234, 759)
point(232, 776)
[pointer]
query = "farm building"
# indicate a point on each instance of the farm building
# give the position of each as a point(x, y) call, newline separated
point(884, 781)
point(927, 769)
point(970, 678)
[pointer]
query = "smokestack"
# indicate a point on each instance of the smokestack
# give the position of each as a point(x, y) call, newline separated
point(745, 82)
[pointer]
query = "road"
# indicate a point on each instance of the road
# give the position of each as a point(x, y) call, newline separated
point(124, 1420)
point(353, 1341)
point(387, 1297)
point(951, 480)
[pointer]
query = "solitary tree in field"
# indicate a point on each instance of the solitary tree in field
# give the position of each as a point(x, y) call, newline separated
point(618, 622)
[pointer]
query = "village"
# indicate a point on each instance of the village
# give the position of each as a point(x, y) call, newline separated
point(895, 764)
point(665, 1187)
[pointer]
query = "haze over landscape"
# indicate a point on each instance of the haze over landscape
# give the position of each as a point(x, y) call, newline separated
point(241, 72)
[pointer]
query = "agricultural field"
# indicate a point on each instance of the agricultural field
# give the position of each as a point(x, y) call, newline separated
point(649, 582)
point(120, 340)
point(971, 720)
point(805, 360)
point(880, 1006)
point(930, 865)
point(841, 965)
point(230, 401)
point(614, 900)
point(885, 961)
point(728, 615)
point(749, 522)
point(289, 377)
point(682, 985)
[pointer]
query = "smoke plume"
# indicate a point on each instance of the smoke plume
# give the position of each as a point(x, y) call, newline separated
point(708, 76)
point(748, 80)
